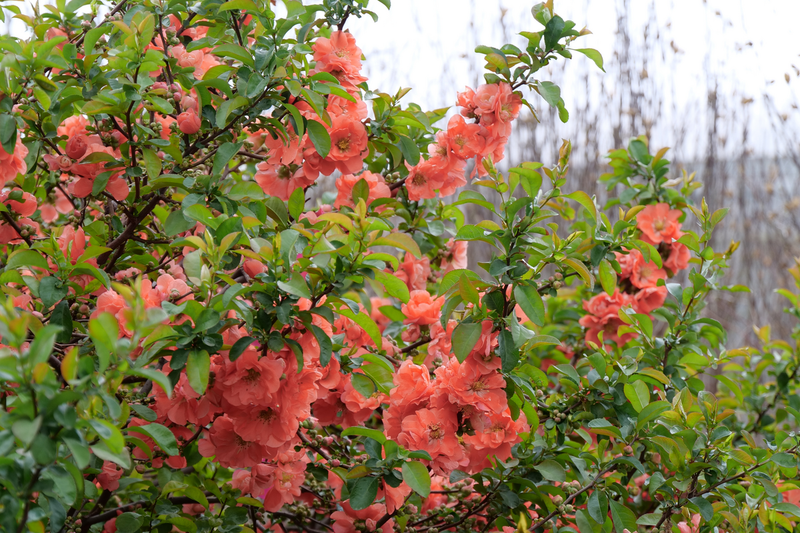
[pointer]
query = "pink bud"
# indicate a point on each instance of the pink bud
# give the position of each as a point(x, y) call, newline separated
point(76, 146)
point(189, 122)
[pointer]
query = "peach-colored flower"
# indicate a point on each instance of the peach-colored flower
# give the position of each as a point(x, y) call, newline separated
point(422, 309)
point(658, 223)
point(13, 163)
point(199, 59)
point(433, 430)
point(189, 122)
point(678, 258)
point(414, 272)
point(455, 256)
point(109, 476)
point(693, 528)
point(348, 144)
point(346, 182)
point(281, 181)
point(73, 126)
point(646, 274)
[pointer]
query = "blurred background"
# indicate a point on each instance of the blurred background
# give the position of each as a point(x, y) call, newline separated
point(715, 80)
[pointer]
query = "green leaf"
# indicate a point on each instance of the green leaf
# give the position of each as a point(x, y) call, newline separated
point(62, 318)
point(162, 436)
point(409, 150)
point(297, 203)
point(26, 430)
point(705, 508)
point(651, 411)
point(638, 393)
point(509, 353)
point(320, 137)
point(42, 345)
point(296, 285)
point(594, 55)
point(236, 52)
point(239, 347)
point(366, 323)
point(177, 223)
point(26, 259)
point(784, 460)
point(597, 505)
point(465, 337)
point(584, 199)
point(239, 4)
point(197, 367)
point(297, 117)
point(363, 493)
point(416, 476)
point(374, 434)
point(224, 154)
point(608, 278)
point(325, 346)
point(394, 286)
point(52, 290)
point(399, 240)
point(551, 470)
point(530, 301)
point(129, 522)
point(623, 517)
point(152, 163)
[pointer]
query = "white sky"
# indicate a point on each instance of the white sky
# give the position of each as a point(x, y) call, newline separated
point(428, 45)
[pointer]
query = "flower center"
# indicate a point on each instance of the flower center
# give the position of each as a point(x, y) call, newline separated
point(435, 432)
point(659, 225)
point(343, 144)
point(252, 375)
point(241, 443)
point(266, 415)
point(419, 179)
point(478, 386)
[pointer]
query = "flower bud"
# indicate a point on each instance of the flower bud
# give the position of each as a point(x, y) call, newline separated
point(189, 122)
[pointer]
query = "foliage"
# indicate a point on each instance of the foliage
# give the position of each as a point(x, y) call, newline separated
point(188, 344)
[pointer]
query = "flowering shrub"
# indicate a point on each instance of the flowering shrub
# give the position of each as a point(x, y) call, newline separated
point(191, 342)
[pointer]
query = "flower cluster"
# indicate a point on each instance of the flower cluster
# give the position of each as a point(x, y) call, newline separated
point(492, 108)
point(639, 278)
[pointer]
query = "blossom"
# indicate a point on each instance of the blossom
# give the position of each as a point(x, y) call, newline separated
point(463, 138)
point(693, 528)
point(198, 59)
point(658, 223)
point(646, 274)
point(109, 475)
point(281, 180)
point(414, 272)
point(433, 430)
point(289, 475)
point(422, 309)
point(348, 144)
point(455, 256)
point(678, 258)
point(252, 380)
point(13, 163)
point(469, 385)
point(230, 449)
point(339, 56)
point(189, 122)
point(346, 182)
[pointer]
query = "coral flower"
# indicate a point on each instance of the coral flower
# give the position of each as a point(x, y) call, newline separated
point(280, 181)
point(658, 223)
point(13, 163)
point(432, 430)
point(422, 309)
point(346, 182)
point(230, 449)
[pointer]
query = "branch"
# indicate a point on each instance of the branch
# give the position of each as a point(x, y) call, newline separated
point(14, 225)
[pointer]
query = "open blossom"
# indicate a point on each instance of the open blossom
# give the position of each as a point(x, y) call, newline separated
point(230, 449)
point(658, 223)
point(346, 182)
point(433, 430)
point(414, 272)
point(422, 309)
point(199, 59)
point(455, 256)
point(288, 476)
point(348, 144)
point(13, 163)
point(109, 475)
point(646, 274)
point(281, 180)
point(339, 56)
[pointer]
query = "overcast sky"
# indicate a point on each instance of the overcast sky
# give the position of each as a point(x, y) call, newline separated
point(748, 46)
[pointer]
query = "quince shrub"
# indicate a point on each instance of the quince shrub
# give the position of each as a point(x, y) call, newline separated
point(190, 343)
